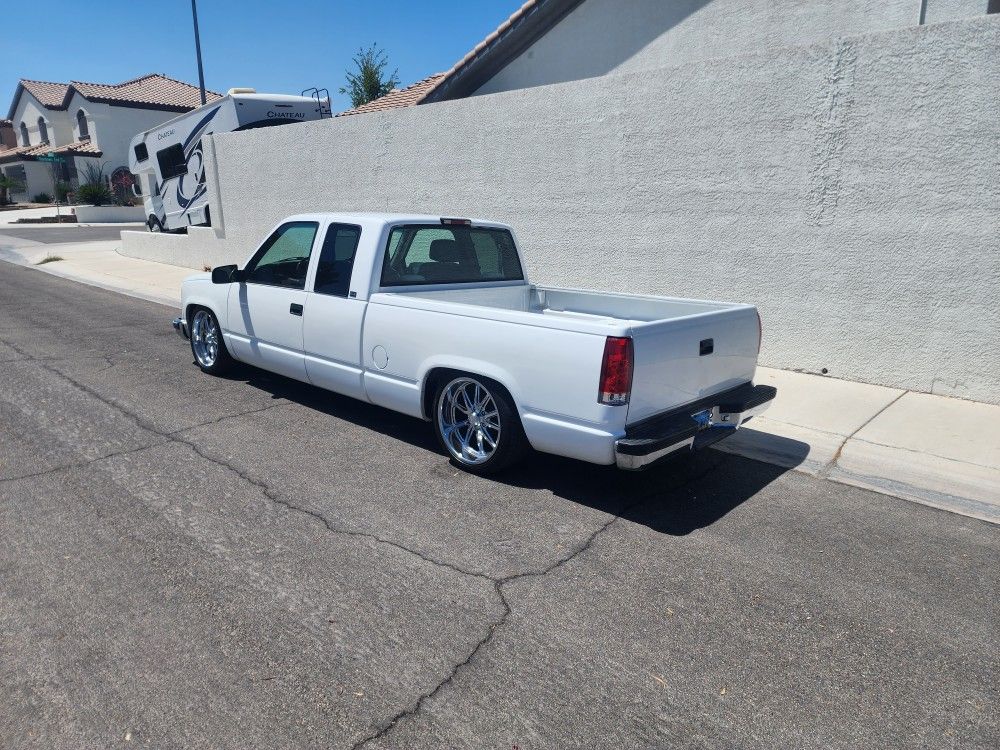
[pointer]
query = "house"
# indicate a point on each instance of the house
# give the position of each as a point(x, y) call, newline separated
point(555, 41)
point(84, 123)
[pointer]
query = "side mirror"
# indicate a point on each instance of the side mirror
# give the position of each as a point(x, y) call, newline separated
point(226, 274)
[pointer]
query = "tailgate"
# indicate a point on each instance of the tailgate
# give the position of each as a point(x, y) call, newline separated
point(684, 359)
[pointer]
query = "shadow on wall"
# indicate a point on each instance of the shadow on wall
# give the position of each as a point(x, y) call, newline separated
point(674, 498)
point(595, 38)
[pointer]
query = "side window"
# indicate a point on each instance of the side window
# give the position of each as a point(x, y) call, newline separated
point(284, 258)
point(171, 161)
point(336, 260)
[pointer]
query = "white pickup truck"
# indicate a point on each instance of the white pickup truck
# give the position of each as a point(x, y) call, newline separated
point(435, 317)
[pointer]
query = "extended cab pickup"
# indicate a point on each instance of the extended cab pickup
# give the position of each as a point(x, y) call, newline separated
point(435, 317)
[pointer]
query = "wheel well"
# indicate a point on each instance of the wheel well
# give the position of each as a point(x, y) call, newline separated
point(192, 308)
point(438, 375)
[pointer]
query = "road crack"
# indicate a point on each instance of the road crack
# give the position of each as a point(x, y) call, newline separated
point(499, 584)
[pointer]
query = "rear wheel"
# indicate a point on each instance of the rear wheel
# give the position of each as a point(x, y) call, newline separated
point(477, 424)
point(154, 224)
point(207, 344)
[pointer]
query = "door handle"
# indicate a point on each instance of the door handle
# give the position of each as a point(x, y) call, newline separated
point(295, 308)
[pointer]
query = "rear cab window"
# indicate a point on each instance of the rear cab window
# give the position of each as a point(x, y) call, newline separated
point(420, 254)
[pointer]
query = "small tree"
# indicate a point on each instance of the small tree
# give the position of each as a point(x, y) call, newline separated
point(368, 82)
point(8, 185)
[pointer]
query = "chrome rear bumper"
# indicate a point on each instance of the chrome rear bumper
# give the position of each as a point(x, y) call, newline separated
point(181, 326)
point(696, 425)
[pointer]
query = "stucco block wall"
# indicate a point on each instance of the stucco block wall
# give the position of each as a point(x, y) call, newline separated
point(850, 189)
point(601, 36)
point(948, 10)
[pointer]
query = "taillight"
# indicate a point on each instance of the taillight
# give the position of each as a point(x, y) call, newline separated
point(760, 331)
point(616, 371)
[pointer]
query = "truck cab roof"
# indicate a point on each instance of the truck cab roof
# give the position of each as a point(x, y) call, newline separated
point(372, 218)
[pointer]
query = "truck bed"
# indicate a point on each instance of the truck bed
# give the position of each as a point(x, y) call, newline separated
point(576, 304)
point(684, 350)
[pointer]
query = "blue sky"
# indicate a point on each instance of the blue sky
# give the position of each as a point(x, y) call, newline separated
point(278, 47)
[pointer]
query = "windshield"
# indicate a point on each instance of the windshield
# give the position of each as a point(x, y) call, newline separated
point(452, 254)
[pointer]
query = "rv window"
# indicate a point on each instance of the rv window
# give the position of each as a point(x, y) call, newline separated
point(141, 152)
point(172, 161)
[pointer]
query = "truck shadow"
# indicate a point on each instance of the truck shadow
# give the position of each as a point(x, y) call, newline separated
point(675, 497)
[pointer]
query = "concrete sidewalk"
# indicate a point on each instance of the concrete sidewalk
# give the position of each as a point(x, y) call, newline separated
point(934, 450)
point(100, 264)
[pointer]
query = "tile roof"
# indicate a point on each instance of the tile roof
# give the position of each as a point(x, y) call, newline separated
point(511, 38)
point(489, 40)
point(51, 95)
point(397, 97)
point(154, 91)
point(30, 153)
point(85, 147)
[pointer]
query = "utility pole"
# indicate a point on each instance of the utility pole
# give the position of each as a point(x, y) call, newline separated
point(197, 49)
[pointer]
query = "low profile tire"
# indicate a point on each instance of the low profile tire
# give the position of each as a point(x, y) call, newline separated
point(477, 424)
point(207, 344)
point(154, 224)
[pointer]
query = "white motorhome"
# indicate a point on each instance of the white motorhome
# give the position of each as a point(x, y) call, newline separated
point(168, 163)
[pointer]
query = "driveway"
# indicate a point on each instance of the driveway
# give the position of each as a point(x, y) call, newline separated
point(250, 562)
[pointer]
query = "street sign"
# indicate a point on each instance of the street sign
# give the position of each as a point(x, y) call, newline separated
point(51, 157)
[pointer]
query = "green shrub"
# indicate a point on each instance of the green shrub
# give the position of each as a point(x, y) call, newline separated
point(62, 190)
point(42, 198)
point(93, 195)
point(94, 188)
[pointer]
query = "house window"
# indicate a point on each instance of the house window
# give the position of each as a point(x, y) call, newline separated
point(81, 125)
point(24, 135)
point(43, 132)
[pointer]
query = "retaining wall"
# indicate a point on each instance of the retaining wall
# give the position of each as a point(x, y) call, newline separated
point(850, 189)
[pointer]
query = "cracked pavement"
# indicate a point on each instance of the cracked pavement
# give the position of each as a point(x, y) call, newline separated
point(250, 562)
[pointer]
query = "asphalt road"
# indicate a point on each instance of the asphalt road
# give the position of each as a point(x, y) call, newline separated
point(241, 563)
point(51, 235)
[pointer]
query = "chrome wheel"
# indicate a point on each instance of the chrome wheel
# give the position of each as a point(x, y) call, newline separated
point(469, 421)
point(205, 338)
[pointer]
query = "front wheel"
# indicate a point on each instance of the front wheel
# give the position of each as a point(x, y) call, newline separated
point(154, 225)
point(477, 423)
point(207, 344)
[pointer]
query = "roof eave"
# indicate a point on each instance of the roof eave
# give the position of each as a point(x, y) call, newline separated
point(524, 30)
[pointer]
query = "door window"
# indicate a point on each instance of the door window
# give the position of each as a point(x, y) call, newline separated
point(336, 260)
point(284, 258)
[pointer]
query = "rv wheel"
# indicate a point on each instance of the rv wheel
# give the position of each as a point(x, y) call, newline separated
point(154, 224)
